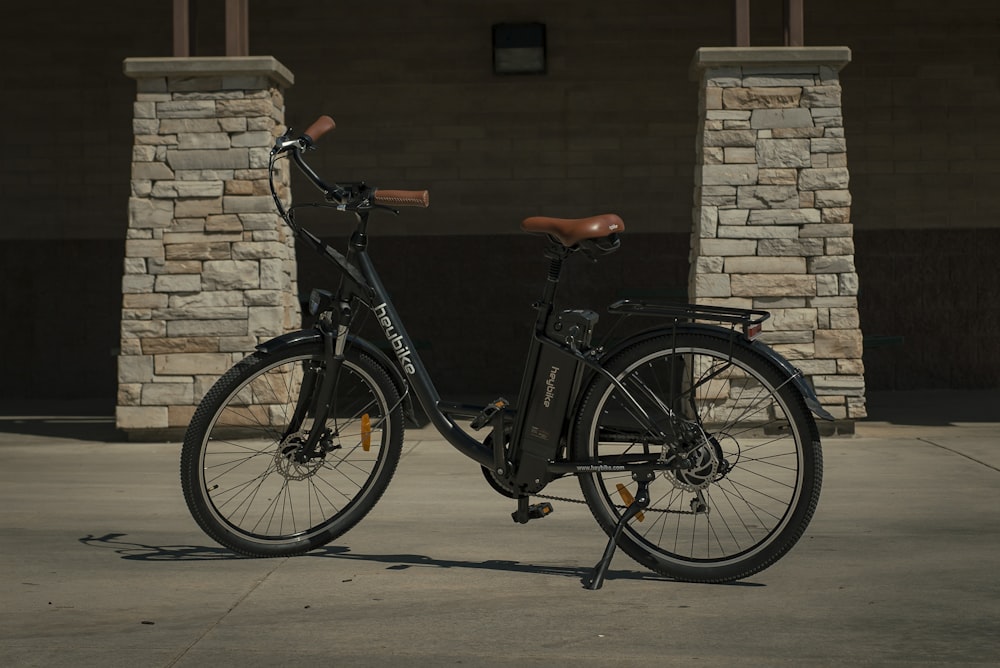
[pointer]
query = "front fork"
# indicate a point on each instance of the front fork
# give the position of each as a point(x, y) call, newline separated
point(317, 392)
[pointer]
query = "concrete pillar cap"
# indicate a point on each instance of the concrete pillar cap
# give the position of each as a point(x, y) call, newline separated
point(269, 66)
point(836, 57)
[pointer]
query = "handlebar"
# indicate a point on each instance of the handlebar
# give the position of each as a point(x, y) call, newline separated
point(354, 195)
point(320, 127)
point(403, 198)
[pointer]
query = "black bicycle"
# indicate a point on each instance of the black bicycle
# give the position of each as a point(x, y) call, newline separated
point(694, 444)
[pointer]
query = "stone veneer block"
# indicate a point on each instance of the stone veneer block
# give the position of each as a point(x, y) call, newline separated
point(209, 265)
point(772, 223)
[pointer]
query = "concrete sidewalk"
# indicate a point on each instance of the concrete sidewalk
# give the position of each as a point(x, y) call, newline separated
point(102, 566)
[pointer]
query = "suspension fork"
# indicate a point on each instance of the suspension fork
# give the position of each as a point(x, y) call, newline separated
point(316, 395)
point(306, 399)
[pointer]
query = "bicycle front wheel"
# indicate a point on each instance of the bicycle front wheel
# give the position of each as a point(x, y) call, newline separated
point(751, 476)
point(247, 478)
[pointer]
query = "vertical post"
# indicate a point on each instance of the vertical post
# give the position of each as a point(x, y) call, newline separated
point(741, 22)
point(237, 28)
point(794, 23)
point(182, 28)
point(772, 224)
point(209, 266)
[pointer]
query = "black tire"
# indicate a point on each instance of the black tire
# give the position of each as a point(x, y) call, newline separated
point(243, 485)
point(757, 465)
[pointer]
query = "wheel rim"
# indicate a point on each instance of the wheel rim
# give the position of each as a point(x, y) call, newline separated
point(747, 471)
point(249, 475)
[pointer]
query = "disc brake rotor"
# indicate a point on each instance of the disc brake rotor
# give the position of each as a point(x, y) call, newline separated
point(703, 471)
point(286, 458)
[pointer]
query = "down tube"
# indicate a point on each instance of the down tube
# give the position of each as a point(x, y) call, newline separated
point(413, 367)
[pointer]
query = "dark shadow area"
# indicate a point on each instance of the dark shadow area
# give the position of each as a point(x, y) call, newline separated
point(913, 407)
point(474, 342)
point(62, 317)
point(922, 330)
point(134, 551)
point(99, 428)
point(934, 407)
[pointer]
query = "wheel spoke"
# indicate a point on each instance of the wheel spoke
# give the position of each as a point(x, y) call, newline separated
point(248, 480)
point(751, 459)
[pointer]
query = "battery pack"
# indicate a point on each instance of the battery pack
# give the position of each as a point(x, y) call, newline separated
point(552, 389)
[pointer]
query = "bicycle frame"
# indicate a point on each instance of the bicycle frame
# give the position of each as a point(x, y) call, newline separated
point(693, 405)
point(558, 357)
point(409, 361)
point(557, 360)
point(363, 282)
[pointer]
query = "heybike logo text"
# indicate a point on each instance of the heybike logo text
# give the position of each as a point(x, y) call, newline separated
point(395, 340)
point(550, 387)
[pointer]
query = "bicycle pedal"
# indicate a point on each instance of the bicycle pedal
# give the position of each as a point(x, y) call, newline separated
point(487, 413)
point(533, 512)
point(539, 510)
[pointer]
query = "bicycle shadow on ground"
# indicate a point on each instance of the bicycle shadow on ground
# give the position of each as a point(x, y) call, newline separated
point(135, 551)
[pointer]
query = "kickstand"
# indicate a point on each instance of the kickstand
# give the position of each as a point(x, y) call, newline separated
point(641, 501)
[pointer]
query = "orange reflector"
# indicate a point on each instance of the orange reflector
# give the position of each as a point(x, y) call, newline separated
point(629, 499)
point(366, 432)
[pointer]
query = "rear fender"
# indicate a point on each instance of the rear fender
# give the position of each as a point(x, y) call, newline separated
point(794, 375)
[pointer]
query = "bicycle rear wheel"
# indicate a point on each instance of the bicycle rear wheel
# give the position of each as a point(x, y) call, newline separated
point(246, 478)
point(754, 469)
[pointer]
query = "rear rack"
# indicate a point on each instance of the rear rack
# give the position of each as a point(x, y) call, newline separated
point(749, 320)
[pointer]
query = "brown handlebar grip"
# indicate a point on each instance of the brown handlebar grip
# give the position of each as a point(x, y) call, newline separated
point(320, 127)
point(403, 197)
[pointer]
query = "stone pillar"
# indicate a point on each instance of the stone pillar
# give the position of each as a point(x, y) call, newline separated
point(772, 225)
point(209, 265)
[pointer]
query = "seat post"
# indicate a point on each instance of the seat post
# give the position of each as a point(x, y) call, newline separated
point(556, 253)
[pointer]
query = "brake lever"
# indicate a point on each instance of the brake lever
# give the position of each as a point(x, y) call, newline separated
point(282, 143)
point(386, 207)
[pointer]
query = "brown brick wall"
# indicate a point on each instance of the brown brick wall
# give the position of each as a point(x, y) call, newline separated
point(923, 106)
point(67, 115)
point(611, 127)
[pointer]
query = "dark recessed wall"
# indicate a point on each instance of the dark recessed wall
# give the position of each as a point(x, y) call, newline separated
point(609, 128)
